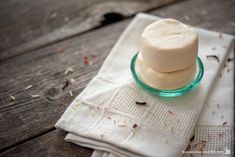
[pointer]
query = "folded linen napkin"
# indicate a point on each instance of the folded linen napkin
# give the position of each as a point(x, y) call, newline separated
point(105, 117)
point(218, 109)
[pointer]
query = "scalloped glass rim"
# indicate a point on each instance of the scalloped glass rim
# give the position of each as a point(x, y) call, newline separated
point(168, 93)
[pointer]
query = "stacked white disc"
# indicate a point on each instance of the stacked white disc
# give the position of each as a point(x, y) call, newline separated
point(168, 53)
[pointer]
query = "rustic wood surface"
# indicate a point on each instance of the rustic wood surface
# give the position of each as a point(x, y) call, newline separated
point(44, 70)
point(213, 15)
point(27, 124)
point(51, 144)
point(54, 20)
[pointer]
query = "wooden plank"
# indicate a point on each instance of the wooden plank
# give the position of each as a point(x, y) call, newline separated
point(213, 15)
point(49, 145)
point(33, 24)
point(44, 69)
point(25, 117)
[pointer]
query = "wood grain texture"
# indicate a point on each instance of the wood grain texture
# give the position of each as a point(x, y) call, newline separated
point(44, 69)
point(214, 15)
point(27, 117)
point(34, 24)
point(49, 145)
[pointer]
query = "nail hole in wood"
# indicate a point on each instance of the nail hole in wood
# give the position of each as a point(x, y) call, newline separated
point(52, 93)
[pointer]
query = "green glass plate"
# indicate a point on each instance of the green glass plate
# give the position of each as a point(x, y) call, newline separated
point(168, 93)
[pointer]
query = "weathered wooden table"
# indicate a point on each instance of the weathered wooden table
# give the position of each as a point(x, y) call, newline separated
point(40, 39)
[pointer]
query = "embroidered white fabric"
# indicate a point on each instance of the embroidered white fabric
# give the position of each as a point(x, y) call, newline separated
point(105, 115)
point(211, 141)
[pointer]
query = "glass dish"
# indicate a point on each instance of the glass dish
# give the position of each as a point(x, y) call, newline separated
point(168, 93)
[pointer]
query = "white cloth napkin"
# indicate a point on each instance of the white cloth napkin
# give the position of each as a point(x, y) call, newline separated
point(105, 117)
point(218, 109)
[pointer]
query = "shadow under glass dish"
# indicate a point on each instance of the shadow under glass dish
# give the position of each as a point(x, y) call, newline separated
point(167, 93)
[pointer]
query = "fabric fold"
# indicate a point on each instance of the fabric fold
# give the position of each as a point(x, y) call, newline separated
point(105, 115)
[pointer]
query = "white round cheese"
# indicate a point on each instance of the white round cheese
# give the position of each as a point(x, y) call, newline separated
point(166, 80)
point(169, 45)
